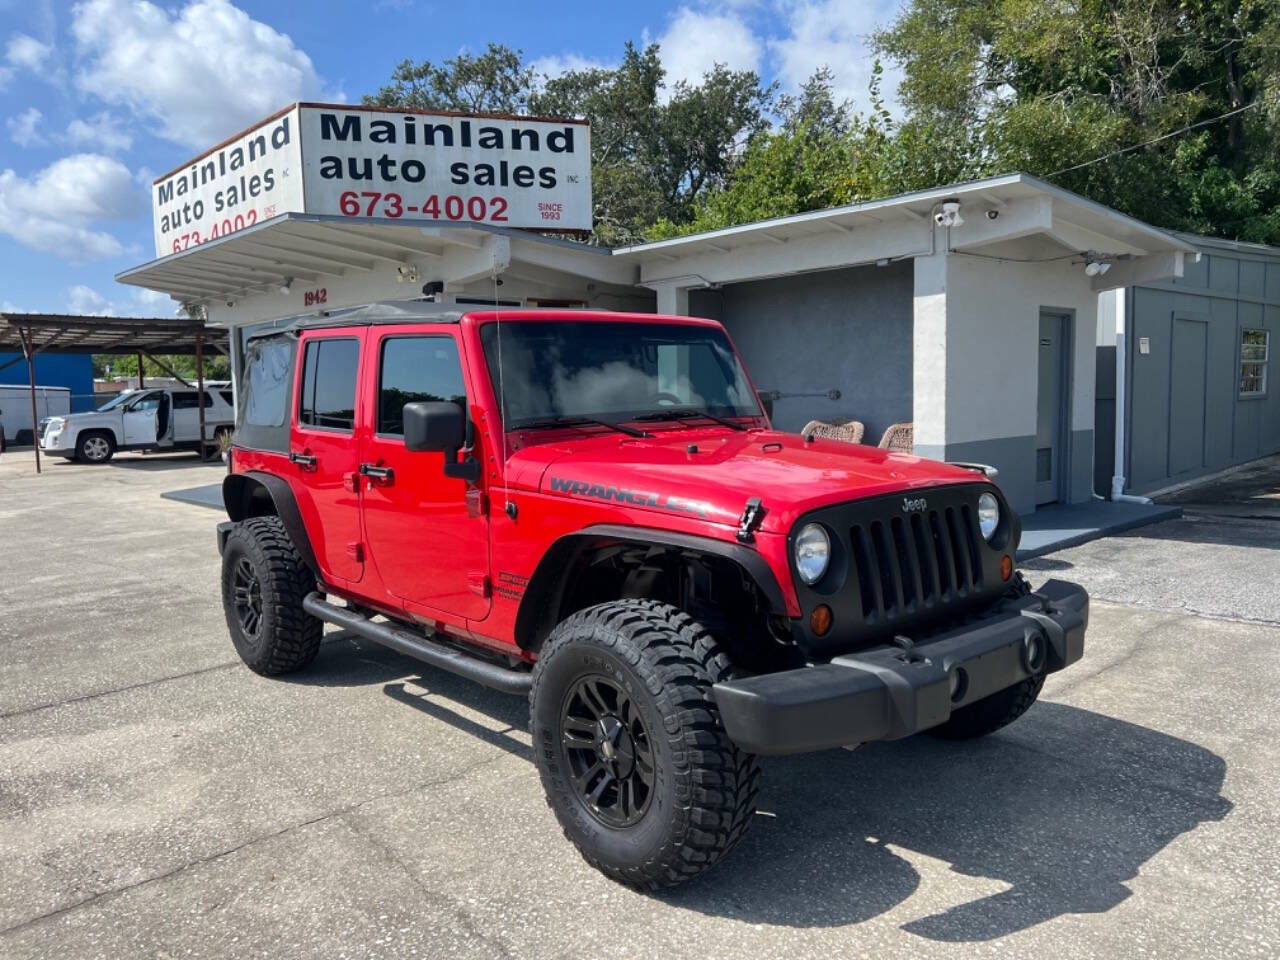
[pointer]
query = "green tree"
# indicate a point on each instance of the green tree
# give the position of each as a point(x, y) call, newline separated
point(993, 86)
point(496, 81)
point(216, 366)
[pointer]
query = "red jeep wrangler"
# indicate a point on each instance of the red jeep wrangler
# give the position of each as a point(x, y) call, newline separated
point(592, 509)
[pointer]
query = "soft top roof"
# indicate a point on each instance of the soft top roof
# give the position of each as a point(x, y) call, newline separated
point(424, 311)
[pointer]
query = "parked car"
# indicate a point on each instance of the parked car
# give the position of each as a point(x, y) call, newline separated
point(592, 509)
point(15, 410)
point(150, 420)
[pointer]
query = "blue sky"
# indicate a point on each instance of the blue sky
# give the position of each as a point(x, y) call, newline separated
point(98, 96)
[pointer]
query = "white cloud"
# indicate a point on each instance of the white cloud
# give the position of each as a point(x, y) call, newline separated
point(835, 34)
point(557, 64)
point(57, 208)
point(695, 41)
point(26, 51)
point(102, 132)
point(85, 300)
point(201, 72)
point(22, 128)
point(88, 301)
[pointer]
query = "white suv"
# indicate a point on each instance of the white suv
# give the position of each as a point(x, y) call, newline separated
point(161, 419)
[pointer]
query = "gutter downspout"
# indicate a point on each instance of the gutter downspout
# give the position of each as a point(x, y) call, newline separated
point(1118, 479)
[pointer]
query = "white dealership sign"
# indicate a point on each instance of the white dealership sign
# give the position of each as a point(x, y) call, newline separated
point(370, 162)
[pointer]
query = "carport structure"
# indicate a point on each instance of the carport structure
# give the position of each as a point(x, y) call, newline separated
point(33, 333)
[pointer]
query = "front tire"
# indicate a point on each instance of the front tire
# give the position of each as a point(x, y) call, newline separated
point(264, 581)
point(633, 757)
point(95, 447)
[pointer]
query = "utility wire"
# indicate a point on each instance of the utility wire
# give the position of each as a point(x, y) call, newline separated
point(1175, 133)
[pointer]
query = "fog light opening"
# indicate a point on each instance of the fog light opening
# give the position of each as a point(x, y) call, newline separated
point(1033, 653)
point(820, 620)
point(957, 683)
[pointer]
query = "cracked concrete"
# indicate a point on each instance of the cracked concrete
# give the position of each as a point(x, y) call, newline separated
point(158, 800)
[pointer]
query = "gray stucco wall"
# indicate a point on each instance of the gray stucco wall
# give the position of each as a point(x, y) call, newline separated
point(844, 329)
point(1185, 415)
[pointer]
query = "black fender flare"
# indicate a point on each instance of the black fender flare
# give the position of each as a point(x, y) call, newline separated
point(543, 592)
point(240, 502)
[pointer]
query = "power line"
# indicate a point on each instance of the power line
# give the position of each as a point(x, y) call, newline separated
point(1147, 143)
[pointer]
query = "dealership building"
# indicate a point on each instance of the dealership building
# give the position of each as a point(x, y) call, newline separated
point(1080, 351)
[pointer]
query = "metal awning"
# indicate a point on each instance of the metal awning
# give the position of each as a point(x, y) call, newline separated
point(75, 334)
point(312, 249)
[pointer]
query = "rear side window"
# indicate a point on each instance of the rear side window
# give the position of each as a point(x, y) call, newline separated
point(415, 369)
point(186, 400)
point(228, 396)
point(266, 382)
point(328, 396)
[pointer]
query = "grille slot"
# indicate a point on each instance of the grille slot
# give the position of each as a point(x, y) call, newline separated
point(904, 565)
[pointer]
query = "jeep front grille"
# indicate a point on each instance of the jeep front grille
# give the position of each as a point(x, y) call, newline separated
point(908, 563)
point(904, 567)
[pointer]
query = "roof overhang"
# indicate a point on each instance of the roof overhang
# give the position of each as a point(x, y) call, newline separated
point(315, 249)
point(996, 211)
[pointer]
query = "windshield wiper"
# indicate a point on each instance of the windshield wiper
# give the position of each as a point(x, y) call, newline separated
point(686, 414)
point(576, 421)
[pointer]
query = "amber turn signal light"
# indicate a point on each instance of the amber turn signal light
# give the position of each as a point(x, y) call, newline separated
point(1006, 567)
point(820, 620)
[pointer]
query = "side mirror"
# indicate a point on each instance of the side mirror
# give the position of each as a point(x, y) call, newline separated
point(433, 426)
point(440, 426)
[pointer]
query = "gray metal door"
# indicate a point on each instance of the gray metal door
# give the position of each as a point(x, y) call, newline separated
point(1187, 395)
point(1051, 411)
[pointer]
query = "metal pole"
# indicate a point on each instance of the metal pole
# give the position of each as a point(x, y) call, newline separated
point(204, 451)
point(141, 383)
point(29, 350)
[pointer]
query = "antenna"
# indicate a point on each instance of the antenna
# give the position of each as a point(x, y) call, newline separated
point(502, 403)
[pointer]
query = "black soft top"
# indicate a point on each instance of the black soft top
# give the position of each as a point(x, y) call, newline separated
point(388, 311)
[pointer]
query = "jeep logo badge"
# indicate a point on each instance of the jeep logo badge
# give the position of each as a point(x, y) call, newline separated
point(910, 505)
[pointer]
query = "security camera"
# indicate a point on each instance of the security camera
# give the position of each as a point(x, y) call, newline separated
point(949, 215)
point(993, 214)
point(231, 303)
point(407, 273)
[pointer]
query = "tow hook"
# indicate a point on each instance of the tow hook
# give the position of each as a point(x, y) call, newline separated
point(752, 515)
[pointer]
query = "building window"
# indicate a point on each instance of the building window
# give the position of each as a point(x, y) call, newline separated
point(1253, 362)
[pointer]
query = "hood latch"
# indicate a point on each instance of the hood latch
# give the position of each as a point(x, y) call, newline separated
point(752, 515)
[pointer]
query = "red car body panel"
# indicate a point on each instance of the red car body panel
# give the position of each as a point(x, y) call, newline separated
point(449, 554)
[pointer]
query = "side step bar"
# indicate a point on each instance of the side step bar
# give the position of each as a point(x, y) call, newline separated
point(411, 645)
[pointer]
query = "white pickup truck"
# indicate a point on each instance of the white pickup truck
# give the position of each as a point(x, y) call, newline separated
point(149, 419)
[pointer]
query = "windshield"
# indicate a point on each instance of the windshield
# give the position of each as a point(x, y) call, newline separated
point(117, 400)
point(614, 371)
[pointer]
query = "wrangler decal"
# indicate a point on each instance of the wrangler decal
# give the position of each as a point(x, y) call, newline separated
point(638, 498)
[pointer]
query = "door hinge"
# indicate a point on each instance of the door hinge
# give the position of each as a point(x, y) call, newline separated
point(355, 550)
point(477, 503)
point(478, 583)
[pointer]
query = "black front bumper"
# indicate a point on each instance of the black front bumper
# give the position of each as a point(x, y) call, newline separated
point(893, 691)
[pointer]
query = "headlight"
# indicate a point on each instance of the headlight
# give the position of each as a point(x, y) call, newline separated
point(813, 552)
point(988, 514)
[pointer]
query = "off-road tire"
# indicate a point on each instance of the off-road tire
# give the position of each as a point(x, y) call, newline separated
point(286, 637)
point(705, 790)
point(89, 442)
point(1000, 709)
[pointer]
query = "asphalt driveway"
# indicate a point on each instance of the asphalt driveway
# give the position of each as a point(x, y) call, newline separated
point(158, 799)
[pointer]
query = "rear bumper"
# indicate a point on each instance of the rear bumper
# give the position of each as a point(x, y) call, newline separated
point(891, 692)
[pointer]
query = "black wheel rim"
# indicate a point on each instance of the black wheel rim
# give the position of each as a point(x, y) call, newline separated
point(607, 751)
point(246, 594)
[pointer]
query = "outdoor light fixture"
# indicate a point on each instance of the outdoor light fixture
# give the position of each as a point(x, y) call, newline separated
point(1094, 265)
point(287, 287)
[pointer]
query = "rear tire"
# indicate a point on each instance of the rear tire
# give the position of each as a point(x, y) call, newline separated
point(633, 757)
point(95, 447)
point(264, 581)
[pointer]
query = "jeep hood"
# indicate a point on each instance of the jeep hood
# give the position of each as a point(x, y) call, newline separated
point(714, 482)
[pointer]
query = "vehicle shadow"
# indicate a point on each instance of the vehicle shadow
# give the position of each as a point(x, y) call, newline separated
point(1051, 816)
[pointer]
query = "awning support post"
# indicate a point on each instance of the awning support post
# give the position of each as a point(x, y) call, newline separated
point(200, 394)
point(28, 348)
point(142, 384)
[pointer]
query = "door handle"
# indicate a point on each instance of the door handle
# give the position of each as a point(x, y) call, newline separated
point(303, 460)
point(377, 473)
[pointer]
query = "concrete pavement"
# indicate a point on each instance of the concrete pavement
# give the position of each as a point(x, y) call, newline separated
point(158, 799)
